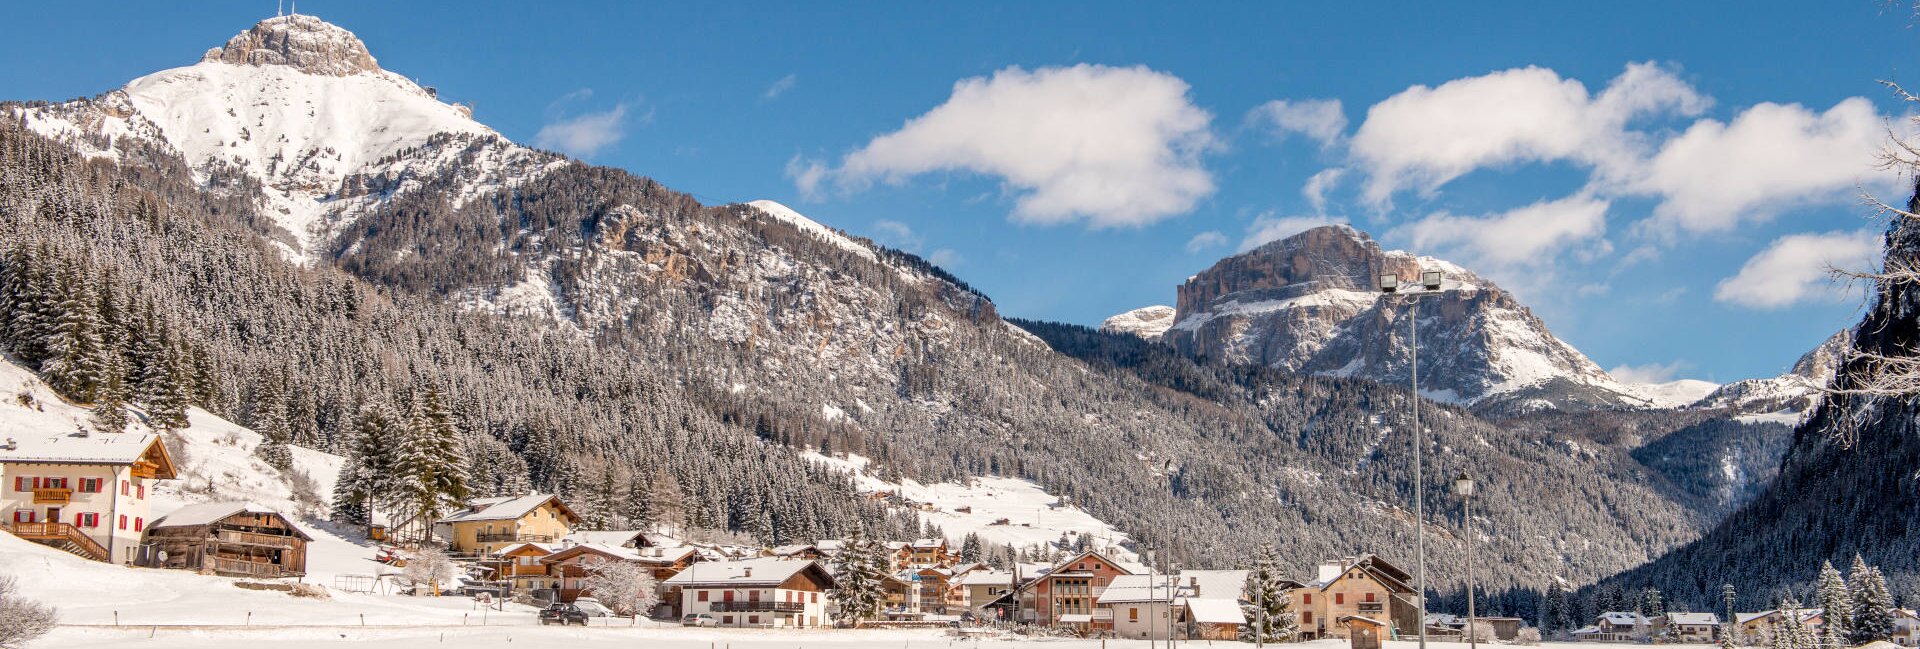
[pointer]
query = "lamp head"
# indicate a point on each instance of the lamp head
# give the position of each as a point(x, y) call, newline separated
point(1389, 283)
point(1463, 484)
point(1430, 279)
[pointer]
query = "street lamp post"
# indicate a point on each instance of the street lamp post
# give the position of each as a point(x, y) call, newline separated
point(1430, 281)
point(1464, 486)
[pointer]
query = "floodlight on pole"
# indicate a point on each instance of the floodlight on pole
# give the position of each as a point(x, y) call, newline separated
point(1464, 486)
point(1389, 283)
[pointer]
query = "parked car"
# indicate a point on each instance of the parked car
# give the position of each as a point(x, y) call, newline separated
point(563, 614)
point(697, 619)
point(593, 607)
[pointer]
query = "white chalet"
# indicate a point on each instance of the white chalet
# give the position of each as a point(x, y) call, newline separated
point(86, 493)
point(765, 592)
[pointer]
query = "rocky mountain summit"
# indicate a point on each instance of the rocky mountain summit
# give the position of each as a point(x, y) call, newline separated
point(1307, 303)
point(307, 43)
point(1147, 322)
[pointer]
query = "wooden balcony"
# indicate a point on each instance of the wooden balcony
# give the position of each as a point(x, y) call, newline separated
point(252, 538)
point(145, 469)
point(1371, 607)
point(52, 496)
point(241, 568)
point(512, 537)
point(759, 607)
point(62, 536)
point(517, 570)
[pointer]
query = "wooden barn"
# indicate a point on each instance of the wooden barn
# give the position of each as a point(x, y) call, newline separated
point(235, 539)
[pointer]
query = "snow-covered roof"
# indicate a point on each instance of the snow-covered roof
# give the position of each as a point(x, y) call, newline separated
point(790, 550)
point(1209, 584)
point(1136, 588)
point(79, 448)
point(1743, 618)
point(1216, 610)
point(544, 548)
point(928, 544)
point(1622, 618)
point(505, 508)
point(985, 578)
point(210, 513)
point(767, 571)
point(1693, 618)
point(624, 538)
point(1586, 630)
point(638, 555)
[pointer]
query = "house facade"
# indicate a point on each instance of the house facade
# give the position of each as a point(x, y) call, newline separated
point(1365, 586)
point(86, 493)
point(766, 592)
point(235, 539)
point(930, 553)
point(982, 586)
point(1691, 628)
point(1616, 626)
point(1066, 595)
point(521, 568)
point(489, 525)
point(568, 568)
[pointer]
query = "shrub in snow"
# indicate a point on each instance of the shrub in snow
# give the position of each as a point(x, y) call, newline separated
point(1480, 630)
point(1527, 636)
point(624, 586)
point(429, 567)
point(21, 619)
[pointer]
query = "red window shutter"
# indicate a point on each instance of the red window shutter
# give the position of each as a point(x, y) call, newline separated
point(19, 483)
point(142, 491)
point(36, 483)
point(726, 596)
point(125, 488)
point(138, 523)
point(1307, 598)
point(123, 521)
point(1306, 618)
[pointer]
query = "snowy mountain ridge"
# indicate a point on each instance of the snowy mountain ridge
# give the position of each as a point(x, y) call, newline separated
point(1306, 303)
point(295, 103)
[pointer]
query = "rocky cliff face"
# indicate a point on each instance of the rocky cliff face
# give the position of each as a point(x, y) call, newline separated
point(1148, 322)
point(1794, 393)
point(312, 45)
point(1307, 304)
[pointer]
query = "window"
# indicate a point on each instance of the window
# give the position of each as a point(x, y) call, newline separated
point(753, 619)
point(816, 598)
point(126, 488)
point(22, 516)
point(87, 520)
point(1369, 597)
point(753, 596)
point(143, 491)
point(726, 596)
point(1133, 615)
point(55, 483)
point(1306, 617)
point(1339, 598)
point(139, 523)
point(726, 619)
point(702, 597)
point(90, 485)
point(1306, 598)
point(123, 521)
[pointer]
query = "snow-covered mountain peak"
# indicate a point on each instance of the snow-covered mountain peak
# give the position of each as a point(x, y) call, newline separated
point(1148, 322)
point(813, 228)
point(306, 43)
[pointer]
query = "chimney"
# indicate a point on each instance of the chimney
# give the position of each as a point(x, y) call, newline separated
point(11, 445)
point(1330, 570)
point(1193, 583)
point(747, 571)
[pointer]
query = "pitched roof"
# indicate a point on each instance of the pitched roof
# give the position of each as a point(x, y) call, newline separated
point(210, 513)
point(84, 448)
point(544, 548)
point(623, 538)
point(928, 544)
point(1386, 573)
point(767, 571)
point(1216, 610)
point(1136, 588)
point(649, 556)
point(790, 550)
point(1623, 618)
point(1693, 618)
point(506, 508)
point(985, 578)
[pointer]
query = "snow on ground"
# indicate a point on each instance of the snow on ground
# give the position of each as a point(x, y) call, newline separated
point(650, 636)
point(1023, 504)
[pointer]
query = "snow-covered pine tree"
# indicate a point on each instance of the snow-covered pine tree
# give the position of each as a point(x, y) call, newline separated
point(1556, 614)
point(970, 548)
point(73, 346)
point(1267, 600)
point(269, 419)
point(1791, 632)
point(432, 459)
point(1871, 614)
point(370, 477)
point(1835, 601)
point(858, 573)
point(1652, 605)
point(110, 405)
point(169, 397)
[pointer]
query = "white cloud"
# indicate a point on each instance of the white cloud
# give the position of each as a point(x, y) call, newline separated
point(1793, 269)
point(1316, 188)
point(1425, 137)
point(1524, 236)
point(807, 176)
point(1205, 240)
point(1651, 373)
point(1110, 146)
point(584, 135)
point(1271, 227)
point(1717, 175)
point(946, 258)
point(780, 87)
point(1322, 120)
point(896, 235)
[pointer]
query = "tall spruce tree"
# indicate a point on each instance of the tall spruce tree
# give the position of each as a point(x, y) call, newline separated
point(369, 478)
point(1871, 615)
point(269, 419)
point(970, 548)
point(1835, 601)
point(433, 460)
point(1267, 607)
point(110, 406)
point(859, 591)
point(1557, 615)
point(75, 357)
point(169, 395)
point(1791, 632)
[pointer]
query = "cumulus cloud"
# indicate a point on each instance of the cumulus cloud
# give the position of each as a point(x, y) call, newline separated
point(1521, 236)
point(1425, 137)
point(1315, 191)
point(1321, 120)
point(1650, 372)
point(1205, 240)
point(584, 135)
point(1716, 175)
point(1105, 145)
point(1272, 227)
point(780, 87)
point(1793, 269)
point(946, 258)
point(896, 235)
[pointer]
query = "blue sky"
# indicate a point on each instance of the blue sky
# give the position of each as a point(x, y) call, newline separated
point(1074, 160)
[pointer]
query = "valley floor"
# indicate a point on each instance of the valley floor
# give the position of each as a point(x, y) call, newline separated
point(649, 636)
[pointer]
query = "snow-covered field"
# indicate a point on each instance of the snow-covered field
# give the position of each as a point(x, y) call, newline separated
point(656, 637)
point(1025, 506)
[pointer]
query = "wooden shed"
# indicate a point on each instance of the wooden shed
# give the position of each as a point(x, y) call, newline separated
point(235, 539)
point(1363, 632)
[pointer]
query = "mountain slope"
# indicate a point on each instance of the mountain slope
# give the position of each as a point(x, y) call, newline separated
point(594, 329)
point(1307, 303)
point(1846, 487)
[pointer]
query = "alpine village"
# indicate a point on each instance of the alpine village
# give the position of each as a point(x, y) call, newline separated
point(298, 351)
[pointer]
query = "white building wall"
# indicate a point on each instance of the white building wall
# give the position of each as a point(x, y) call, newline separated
point(109, 503)
point(813, 605)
